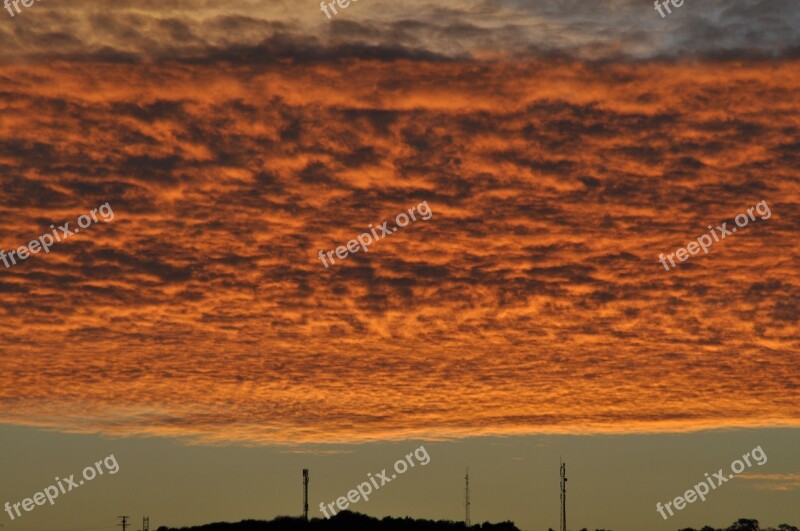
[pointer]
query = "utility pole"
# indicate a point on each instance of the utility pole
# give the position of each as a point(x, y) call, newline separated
point(305, 494)
point(466, 500)
point(563, 496)
point(124, 523)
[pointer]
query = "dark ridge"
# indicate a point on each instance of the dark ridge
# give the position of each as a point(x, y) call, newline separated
point(346, 521)
point(350, 521)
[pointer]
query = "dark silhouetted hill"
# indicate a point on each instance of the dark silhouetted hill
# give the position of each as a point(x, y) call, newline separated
point(349, 521)
point(346, 521)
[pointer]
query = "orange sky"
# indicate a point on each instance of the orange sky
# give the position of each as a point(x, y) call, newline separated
point(531, 302)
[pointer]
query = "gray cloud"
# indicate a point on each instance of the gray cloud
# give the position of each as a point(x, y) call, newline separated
point(265, 30)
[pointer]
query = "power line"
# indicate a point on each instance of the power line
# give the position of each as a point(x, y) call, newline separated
point(104, 523)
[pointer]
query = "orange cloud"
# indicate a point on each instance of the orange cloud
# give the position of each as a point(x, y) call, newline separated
point(532, 301)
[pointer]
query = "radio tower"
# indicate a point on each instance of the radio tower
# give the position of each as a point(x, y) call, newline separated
point(563, 496)
point(305, 494)
point(466, 500)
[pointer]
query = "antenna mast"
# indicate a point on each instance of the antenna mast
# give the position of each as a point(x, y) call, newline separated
point(563, 496)
point(305, 494)
point(466, 501)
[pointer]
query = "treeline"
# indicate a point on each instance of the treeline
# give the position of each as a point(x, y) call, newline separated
point(743, 524)
point(347, 521)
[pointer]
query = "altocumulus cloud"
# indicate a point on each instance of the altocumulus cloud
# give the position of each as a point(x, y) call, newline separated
point(553, 188)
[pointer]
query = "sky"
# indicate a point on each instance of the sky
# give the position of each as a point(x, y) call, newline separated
point(559, 150)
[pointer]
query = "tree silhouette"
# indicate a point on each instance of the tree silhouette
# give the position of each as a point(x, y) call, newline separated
point(745, 524)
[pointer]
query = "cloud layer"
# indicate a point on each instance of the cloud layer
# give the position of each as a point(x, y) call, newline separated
point(202, 30)
point(532, 300)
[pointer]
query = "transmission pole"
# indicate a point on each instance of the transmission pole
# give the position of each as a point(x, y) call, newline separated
point(466, 500)
point(124, 523)
point(305, 494)
point(563, 496)
point(145, 523)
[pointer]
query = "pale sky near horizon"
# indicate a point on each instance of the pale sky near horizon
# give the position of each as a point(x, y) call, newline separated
point(613, 482)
